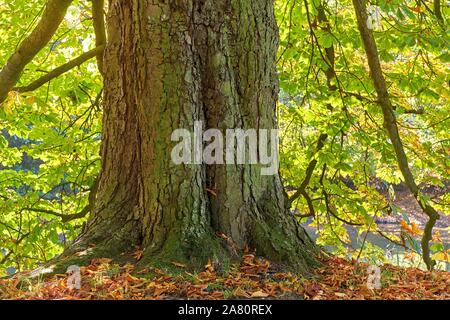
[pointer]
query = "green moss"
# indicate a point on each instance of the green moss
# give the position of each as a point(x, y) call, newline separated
point(194, 252)
point(284, 247)
point(226, 88)
point(218, 60)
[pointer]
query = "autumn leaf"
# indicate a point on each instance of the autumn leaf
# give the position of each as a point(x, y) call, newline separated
point(177, 264)
point(442, 256)
point(137, 254)
point(259, 294)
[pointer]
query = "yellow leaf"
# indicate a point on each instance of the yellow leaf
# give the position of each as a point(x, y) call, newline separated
point(442, 256)
point(241, 293)
point(259, 294)
point(177, 264)
point(9, 102)
point(415, 229)
point(340, 295)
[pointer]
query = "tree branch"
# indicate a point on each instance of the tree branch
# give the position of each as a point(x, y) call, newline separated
point(414, 111)
point(18, 241)
point(390, 124)
point(64, 217)
point(69, 217)
point(99, 29)
point(60, 70)
point(52, 17)
point(437, 10)
point(393, 241)
point(309, 171)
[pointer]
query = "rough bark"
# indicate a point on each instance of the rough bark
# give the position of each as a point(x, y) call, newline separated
point(166, 65)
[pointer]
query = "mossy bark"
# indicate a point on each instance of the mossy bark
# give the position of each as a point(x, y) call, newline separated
point(166, 65)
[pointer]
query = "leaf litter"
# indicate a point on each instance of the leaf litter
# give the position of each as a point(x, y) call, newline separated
point(252, 278)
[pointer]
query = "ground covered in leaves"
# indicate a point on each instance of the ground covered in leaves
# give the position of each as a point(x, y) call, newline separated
point(252, 278)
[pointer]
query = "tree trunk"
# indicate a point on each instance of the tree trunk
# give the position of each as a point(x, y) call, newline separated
point(166, 65)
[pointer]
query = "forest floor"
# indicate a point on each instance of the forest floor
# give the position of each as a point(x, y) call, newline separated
point(252, 278)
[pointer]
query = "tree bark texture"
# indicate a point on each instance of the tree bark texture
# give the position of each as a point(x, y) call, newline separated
point(166, 65)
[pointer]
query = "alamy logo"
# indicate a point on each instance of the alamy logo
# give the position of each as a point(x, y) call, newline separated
point(74, 278)
point(374, 277)
point(238, 146)
point(374, 17)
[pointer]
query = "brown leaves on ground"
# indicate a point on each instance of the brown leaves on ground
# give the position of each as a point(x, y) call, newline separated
point(341, 279)
point(253, 278)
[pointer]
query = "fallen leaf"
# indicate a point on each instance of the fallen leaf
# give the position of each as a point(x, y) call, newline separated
point(259, 294)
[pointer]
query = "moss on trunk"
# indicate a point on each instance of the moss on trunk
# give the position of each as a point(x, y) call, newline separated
point(166, 65)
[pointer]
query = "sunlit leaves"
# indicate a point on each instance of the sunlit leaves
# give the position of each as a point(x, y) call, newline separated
point(49, 146)
point(413, 50)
